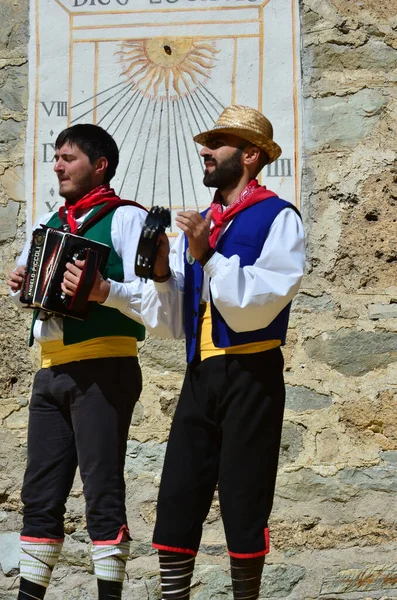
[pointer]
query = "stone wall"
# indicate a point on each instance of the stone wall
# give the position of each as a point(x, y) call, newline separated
point(334, 533)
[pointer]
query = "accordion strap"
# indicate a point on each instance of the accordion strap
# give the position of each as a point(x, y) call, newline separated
point(105, 210)
point(87, 279)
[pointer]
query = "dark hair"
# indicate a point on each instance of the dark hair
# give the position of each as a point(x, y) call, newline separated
point(95, 142)
point(263, 161)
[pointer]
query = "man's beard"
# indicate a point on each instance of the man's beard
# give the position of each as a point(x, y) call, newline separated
point(79, 190)
point(68, 197)
point(226, 173)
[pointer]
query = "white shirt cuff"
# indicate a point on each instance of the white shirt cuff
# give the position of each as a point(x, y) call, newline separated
point(215, 263)
point(118, 295)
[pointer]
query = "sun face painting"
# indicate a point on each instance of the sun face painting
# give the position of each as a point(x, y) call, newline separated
point(155, 65)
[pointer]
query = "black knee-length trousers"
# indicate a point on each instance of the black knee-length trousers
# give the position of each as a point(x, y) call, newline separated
point(226, 430)
point(80, 413)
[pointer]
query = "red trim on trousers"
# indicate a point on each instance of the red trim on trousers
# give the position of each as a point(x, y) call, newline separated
point(255, 554)
point(123, 529)
point(25, 538)
point(173, 549)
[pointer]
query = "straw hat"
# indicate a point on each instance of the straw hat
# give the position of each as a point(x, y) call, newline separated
point(248, 124)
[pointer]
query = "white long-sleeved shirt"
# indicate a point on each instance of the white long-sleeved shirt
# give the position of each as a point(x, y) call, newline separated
point(126, 227)
point(248, 298)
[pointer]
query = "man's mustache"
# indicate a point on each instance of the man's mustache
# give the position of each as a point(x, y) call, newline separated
point(210, 159)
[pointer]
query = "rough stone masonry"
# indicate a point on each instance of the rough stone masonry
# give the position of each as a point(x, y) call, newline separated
point(334, 526)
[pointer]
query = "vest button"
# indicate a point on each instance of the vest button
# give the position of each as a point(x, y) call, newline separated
point(197, 290)
point(193, 335)
point(195, 313)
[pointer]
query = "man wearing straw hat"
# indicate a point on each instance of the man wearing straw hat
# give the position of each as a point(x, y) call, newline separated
point(226, 286)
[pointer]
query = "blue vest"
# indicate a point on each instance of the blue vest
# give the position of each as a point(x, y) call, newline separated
point(245, 237)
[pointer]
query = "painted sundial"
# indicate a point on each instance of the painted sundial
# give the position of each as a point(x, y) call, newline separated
point(154, 73)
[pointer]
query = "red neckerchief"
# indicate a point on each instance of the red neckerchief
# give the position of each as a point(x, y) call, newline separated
point(99, 195)
point(250, 195)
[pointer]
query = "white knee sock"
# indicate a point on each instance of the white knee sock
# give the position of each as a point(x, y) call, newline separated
point(38, 560)
point(110, 560)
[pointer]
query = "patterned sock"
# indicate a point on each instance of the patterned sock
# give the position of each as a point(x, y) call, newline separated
point(110, 560)
point(38, 560)
point(30, 591)
point(176, 570)
point(246, 577)
point(108, 590)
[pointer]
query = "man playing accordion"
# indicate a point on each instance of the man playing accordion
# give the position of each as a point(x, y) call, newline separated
point(84, 394)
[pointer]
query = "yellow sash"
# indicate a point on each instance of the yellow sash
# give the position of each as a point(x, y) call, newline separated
point(56, 353)
point(208, 349)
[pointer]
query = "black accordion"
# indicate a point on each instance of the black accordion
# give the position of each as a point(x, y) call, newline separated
point(50, 250)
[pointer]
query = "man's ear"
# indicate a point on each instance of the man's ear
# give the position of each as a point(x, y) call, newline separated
point(251, 155)
point(101, 164)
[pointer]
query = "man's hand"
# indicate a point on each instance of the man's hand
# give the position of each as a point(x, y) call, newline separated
point(161, 266)
point(15, 278)
point(197, 230)
point(71, 279)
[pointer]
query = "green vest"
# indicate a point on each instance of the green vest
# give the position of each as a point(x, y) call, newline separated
point(101, 321)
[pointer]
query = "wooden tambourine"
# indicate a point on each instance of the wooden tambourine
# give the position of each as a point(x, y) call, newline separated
point(157, 221)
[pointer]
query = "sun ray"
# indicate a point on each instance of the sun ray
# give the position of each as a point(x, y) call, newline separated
point(131, 52)
point(200, 62)
point(209, 47)
point(156, 84)
point(193, 77)
point(181, 73)
point(167, 80)
point(191, 66)
point(144, 69)
point(175, 83)
point(203, 55)
point(131, 68)
point(152, 78)
point(145, 77)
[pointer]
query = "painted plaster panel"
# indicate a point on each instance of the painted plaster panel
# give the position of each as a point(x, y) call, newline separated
point(154, 73)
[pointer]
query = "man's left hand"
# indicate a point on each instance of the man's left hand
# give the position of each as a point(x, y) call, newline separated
point(197, 230)
point(71, 279)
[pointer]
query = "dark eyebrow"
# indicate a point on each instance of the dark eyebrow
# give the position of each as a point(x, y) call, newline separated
point(65, 155)
point(218, 139)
